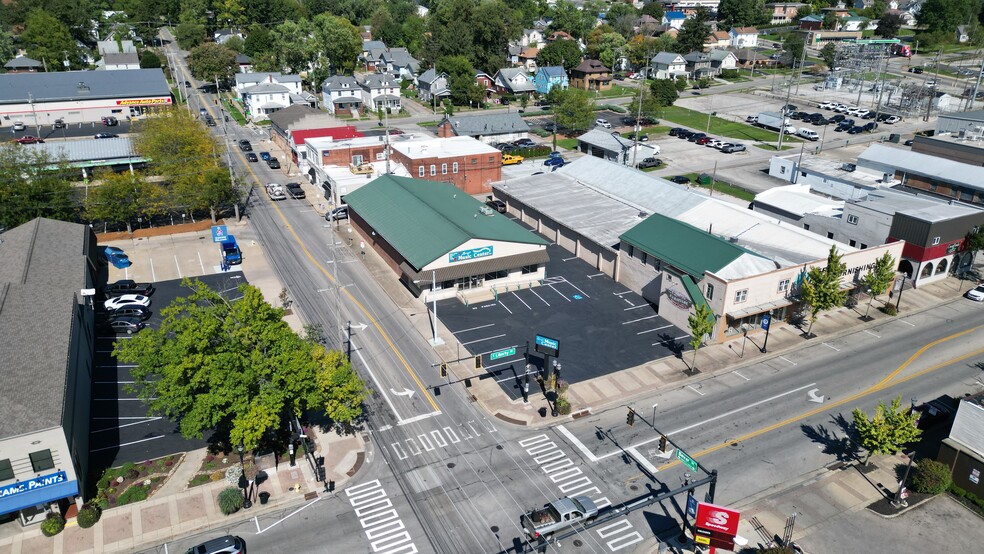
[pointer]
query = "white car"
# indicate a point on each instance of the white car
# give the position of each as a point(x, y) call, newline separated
point(893, 119)
point(715, 143)
point(114, 303)
point(790, 130)
point(825, 105)
point(976, 294)
point(603, 123)
point(19, 126)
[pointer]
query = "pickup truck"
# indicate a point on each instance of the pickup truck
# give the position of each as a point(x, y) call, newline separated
point(230, 251)
point(275, 192)
point(127, 286)
point(558, 515)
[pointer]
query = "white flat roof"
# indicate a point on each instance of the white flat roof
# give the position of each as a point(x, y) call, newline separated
point(347, 182)
point(798, 200)
point(327, 143)
point(441, 147)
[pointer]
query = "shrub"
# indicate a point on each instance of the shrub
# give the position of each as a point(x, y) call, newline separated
point(88, 515)
point(103, 503)
point(52, 525)
point(217, 475)
point(230, 500)
point(132, 473)
point(563, 405)
point(890, 309)
point(168, 463)
point(562, 386)
point(136, 493)
point(931, 477)
point(199, 479)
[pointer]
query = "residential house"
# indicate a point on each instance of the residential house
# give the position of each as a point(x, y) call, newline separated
point(559, 35)
point(907, 17)
point(527, 59)
point(602, 144)
point(591, 75)
point(468, 163)
point(668, 65)
point(963, 33)
point(23, 64)
point(246, 80)
point(748, 57)
point(489, 128)
point(512, 54)
point(744, 37)
point(115, 56)
point(486, 83)
point(532, 38)
point(674, 19)
point(717, 39)
point(513, 80)
point(381, 91)
point(222, 36)
point(854, 23)
point(341, 93)
point(549, 77)
point(783, 12)
point(699, 64)
point(265, 93)
point(399, 62)
point(811, 23)
point(432, 87)
point(646, 24)
point(372, 51)
point(244, 63)
point(722, 59)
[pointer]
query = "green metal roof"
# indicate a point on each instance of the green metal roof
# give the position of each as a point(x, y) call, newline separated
point(424, 220)
point(696, 296)
point(682, 245)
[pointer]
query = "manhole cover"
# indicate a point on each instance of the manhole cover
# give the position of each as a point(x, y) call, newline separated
point(494, 528)
point(498, 447)
point(450, 465)
point(633, 487)
point(577, 542)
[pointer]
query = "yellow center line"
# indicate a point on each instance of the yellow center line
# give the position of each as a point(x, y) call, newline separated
point(334, 280)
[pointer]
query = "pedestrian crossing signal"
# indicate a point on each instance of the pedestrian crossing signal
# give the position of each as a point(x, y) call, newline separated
point(478, 362)
point(444, 370)
point(630, 417)
point(662, 443)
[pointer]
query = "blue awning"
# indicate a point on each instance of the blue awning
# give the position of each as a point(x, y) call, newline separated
point(38, 496)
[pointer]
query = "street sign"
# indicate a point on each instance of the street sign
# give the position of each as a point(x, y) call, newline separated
point(687, 460)
point(691, 506)
point(766, 320)
point(498, 354)
point(219, 233)
point(547, 345)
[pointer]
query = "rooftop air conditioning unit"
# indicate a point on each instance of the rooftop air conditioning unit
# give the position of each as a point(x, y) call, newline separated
point(486, 210)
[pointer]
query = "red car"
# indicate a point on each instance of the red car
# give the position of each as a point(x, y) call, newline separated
point(703, 140)
point(28, 139)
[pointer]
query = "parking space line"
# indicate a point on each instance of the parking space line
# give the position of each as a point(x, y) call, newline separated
point(669, 340)
point(584, 294)
point(178, 266)
point(201, 263)
point(568, 259)
point(619, 294)
point(634, 307)
point(483, 339)
point(640, 319)
point(872, 334)
point(504, 306)
point(126, 444)
point(597, 275)
point(521, 300)
point(153, 274)
point(540, 297)
point(558, 292)
point(474, 328)
point(656, 329)
point(695, 390)
point(787, 359)
point(834, 348)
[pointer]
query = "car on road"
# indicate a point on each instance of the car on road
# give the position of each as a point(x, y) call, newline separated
point(916, 70)
point(28, 139)
point(931, 83)
point(105, 135)
point(497, 205)
point(976, 294)
point(294, 190)
point(125, 299)
point(188, 84)
point(264, 156)
point(648, 163)
point(603, 123)
point(340, 212)
point(245, 146)
point(509, 159)
point(202, 112)
point(209, 121)
point(110, 121)
point(680, 179)
point(273, 163)
point(18, 126)
point(223, 545)
point(128, 325)
point(127, 286)
point(733, 148)
point(251, 157)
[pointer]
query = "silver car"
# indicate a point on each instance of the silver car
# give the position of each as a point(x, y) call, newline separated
point(976, 294)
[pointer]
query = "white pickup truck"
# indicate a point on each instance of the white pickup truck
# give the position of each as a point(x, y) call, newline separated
point(558, 515)
point(276, 192)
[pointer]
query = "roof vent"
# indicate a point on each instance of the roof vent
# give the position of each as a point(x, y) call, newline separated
point(643, 215)
point(82, 87)
point(733, 240)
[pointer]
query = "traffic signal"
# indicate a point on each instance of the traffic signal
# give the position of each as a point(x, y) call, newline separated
point(444, 370)
point(321, 474)
point(630, 417)
point(662, 443)
point(478, 362)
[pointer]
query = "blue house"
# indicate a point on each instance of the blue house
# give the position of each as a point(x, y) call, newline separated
point(548, 77)
point(674, 19)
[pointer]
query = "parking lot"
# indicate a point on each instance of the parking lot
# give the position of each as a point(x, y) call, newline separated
point(120, 428)
point(602, 326)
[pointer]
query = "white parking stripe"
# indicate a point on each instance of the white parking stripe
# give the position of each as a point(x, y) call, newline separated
point(640, 319)
point(558, 292)
point(473, 328)
point(504, 306)
point(540, 297)
point(451, 435)
point(521, 300)
point(652, 330)
point(584, 294)
point(483, 339)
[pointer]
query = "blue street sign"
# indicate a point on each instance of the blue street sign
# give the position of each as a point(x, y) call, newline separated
point(766, 320)
point(219, 233)
point(691, 506)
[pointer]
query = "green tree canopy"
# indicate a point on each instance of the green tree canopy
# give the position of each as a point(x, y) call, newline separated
point(742, 13)
point(701, 324)
point(493, 24)
point(653, 9)
point(891, 428)
point(235, 367)
point(568, 18)
point(575, 110)
point(664, 92)
point(793, 45)
point(149, 60)
point(694, 31)
point(889, 25)
point(293, 47)
point(338, 41)
point(189, 34)
point(258, 41)
point(179, 145)
point(461, 80)
point(565, 53)
point(30, 188)
point(211, 61)
point(946, 15)
point(48, 40)
point(829, 55)
point(7, 49)
point(121, 198)
point(821, 290)
point(880, 277)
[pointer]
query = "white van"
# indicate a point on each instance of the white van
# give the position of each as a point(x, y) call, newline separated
point(808, 134)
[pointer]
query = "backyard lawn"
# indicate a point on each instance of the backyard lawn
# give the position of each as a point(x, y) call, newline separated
point(568, 143)
point(722, 188)
point(720, 127)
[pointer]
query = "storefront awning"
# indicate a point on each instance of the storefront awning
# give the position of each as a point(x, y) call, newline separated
point(36, 497)
point(479, 267)
point(761, 308)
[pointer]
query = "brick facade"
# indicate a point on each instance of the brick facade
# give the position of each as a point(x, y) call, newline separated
point(343, 154)
point(475, 172)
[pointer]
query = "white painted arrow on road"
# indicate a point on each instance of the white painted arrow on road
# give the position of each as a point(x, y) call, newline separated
point(359, 326)
point(409, 393)
point(814, 397)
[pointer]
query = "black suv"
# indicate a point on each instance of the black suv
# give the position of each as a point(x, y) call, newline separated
point(274, 163)
point(127, 286)
point(245, 146)
point(295, 190)
point(677, 130)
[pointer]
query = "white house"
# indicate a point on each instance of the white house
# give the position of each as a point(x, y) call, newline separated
point(513, 80)
point(723, 59)
point(341, 93)
point(381, 91)
point(246, 80)
point(533, 38)
point(744, 37)
point(668, 65)
point(223, 35)
point(265, 93)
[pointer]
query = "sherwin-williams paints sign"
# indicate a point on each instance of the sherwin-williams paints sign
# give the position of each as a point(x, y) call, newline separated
point(33, 484)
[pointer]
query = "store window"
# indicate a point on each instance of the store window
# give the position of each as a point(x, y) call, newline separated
point(784, 286)
point(501, 274)
point(41, 460)
point(6, 471)
point(741, 296)
point(527, 269)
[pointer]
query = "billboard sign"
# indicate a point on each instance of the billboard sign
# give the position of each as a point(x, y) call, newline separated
point(716, 525)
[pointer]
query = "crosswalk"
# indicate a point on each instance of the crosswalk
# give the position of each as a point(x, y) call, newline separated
point(382, 524)
point(441, 438)
point(572, 481)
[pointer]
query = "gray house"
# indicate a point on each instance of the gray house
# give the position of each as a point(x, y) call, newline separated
point(432, 87)
point(490, 128)
point(699, 64)
point(669, 65)
point(603, 144)
point(341, 93)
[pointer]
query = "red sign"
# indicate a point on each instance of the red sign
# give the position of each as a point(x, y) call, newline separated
point(717, 518)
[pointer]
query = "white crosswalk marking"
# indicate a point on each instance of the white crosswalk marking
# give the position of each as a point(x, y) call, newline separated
point(425, 442)
point(414, 449)
point(399, 451)
point(439, 439)
point(385, 530)
point(451, 435)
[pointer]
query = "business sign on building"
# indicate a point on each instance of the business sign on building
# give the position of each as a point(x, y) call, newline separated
point(470, 254)
point(33, 484)
point(716, 526)
point(144, 101)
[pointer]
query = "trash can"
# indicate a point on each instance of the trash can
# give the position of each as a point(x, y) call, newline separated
point(264, 497)
point(704, 179)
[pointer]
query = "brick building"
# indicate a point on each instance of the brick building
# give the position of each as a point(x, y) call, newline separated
point(469, 164)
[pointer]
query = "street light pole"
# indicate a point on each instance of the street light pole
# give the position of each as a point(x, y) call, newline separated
point(435, 340)
point(247, 504)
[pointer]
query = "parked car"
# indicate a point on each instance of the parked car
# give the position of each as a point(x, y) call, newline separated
point(245, 146)
point(554, 161)
point(703, 140)
point(18, 126)
point(59, 123)
point(603, 123)
point(116, 256)
point(837, 118)
point(643, 137)
point(128, 286)
point(870, 126)
point(685, 134)
point(824, 105)
point(715, 143)
point(505, 147)
point(340, 212)
point(649, 162)
point(131, 310)
point(892, 119)
point(680, 179)
point(497, 205)
point(855, 130)
point(264, 156)
point(125, 299)
point(110, 121)
point(695, 136)
point(273, 163)
point(524, 143)
point(675, 131)
point(976, 294)
point(222, 545)
point(251, 157)
point(294, 190)
point(509, 159)
point(128, 325)
point(733, 148)
point(916, 70)
point(106, 135)
point(28, 139)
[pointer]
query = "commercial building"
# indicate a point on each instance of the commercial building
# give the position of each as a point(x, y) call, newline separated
point(80, 96)
point(48, 268)
point(963, 450)
point(941, 177)
point(88, 154)
point(437, 239)
point(678, 247)
point(603, 144)
point(467, 163)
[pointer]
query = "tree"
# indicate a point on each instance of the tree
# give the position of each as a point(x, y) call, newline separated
point(338, 41)
point(575, 110)
point(567, 17)
point(654, 10)
point(461, 80)
point(694, 31)
point(830, 21)
point(611, 47)
point(664, 92)
point(121, 198)
point(793, 45)
point(701, 324)
point(493, 26)
point(565, 53)
point(211, 61)
point(235, 43)
point(293, 46)
point(7, 49)
point(47, 39)
point(209, 188)
point(741, 13)
point(177, 143)
point(974, 242)
point(829, 55)
point(230, 13)
point(149, 60)
point(879, 278)
point(235, 367)
point(821, 290)
point(29, 188)
point(258, 41)
point(888, 430)
point(946, 15)
point(889, 25)
point(189, 34)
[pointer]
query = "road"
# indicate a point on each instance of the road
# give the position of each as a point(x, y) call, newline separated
point(442, 477)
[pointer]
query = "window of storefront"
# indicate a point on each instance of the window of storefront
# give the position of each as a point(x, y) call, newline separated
point(501, 274)
point(41, 460)
point(6, 471)
point(741, 296)
point(784, 286)
point(852, 219)
point(527, 269)
point(472, 282)
point(735, 326)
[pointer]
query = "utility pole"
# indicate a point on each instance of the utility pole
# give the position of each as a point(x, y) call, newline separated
point(932, 92)
point(642, 92)
point(977, 85)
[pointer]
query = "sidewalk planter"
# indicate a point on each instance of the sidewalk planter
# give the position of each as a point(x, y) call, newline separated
point(264, 497)
point(230, 500)
point(52, 525)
